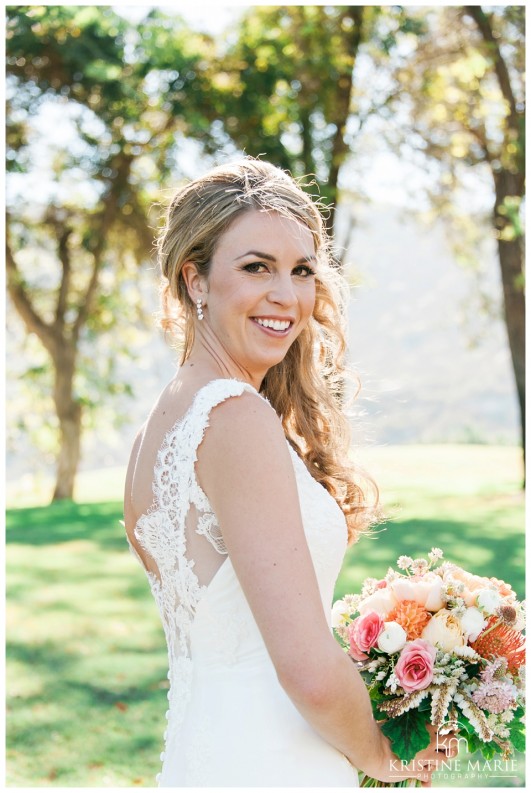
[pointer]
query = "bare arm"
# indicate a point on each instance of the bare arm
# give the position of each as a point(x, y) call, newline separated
point(245, 467)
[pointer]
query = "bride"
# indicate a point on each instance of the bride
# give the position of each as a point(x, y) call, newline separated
point(240, 499)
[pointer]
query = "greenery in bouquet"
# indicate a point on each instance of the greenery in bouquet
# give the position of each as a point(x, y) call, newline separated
point(435, 643)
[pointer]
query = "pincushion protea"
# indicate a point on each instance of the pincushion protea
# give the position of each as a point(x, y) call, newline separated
point(411, 616)
point(499, 640)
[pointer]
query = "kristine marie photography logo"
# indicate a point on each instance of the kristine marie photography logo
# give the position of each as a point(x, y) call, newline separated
point(461, 768)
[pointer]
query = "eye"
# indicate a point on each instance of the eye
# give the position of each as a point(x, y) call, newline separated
point(255, 267)
point(304, 270)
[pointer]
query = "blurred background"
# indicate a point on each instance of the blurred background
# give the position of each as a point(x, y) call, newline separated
point(409, 123)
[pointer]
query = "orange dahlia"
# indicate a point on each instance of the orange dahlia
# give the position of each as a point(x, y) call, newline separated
point(411, 616)
point(499, 640)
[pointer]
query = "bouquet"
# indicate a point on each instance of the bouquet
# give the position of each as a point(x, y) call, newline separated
point(438, 644)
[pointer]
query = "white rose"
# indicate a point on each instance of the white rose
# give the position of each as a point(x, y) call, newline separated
point(472, 623)
point(392, 638)
point(488, 600)
point(339, 613)
point(444, 631)
point(382, 602)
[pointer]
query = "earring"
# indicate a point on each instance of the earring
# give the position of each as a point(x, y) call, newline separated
point(199, 306)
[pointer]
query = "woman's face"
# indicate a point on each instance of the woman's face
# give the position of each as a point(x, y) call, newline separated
point(261, 289)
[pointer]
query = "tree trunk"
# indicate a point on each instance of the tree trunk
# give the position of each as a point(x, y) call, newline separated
point(69, 414)
point(340, 148)
point(511, 261)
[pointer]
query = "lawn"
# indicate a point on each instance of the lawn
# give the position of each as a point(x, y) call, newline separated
point(86, 655)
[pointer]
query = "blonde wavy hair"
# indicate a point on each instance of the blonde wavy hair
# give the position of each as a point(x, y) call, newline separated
point(305, 387)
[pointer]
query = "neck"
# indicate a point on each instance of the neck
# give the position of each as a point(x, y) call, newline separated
point(211, 357)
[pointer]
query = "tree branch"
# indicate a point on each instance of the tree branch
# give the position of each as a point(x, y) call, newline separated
point(107, 217)
point(483, 22)
point(84, 308)
point(353, 39)
point(482, 141)
point(22, 302)
point(64, 257)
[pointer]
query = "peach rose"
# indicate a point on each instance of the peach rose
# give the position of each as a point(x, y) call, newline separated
point(472, 584)
point(414, 668)
point(363, 634)
point(426, 591)
point(382, 602)
point(505, 590)
point(444, 631)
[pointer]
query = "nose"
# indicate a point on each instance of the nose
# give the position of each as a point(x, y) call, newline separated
point(282, 291)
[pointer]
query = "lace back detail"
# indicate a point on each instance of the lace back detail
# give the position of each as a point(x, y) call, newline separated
point(207, 527)
point(163, 532)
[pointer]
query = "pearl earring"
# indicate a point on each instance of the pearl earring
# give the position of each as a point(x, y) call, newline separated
point(199, 306)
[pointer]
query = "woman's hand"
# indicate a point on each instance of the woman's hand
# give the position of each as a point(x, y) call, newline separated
point(426, 762)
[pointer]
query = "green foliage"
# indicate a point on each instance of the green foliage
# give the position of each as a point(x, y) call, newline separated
point(67, 50)
point(474, 742)
point(463, 85)
point(408, 734)
point(281, 86)
point(517, 733)
point(489, 749)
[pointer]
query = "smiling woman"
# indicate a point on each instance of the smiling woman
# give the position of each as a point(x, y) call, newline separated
point(240, 500)
point(257, 296)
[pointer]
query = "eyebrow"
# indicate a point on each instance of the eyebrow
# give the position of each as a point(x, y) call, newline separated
point(270, 258)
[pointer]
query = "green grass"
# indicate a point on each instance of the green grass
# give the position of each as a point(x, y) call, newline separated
point(86, 654)
point(87, 664)
point(463, 499)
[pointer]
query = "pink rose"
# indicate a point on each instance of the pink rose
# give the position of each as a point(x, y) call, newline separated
point(363, 634)
point(414, 668)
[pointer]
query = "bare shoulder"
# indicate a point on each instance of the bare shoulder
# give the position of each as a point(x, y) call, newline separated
point(248, 408)
point(243, 459)
point(246, 425)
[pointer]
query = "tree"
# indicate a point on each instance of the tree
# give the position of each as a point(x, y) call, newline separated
point(461, 85)
point(284, 88)
point(507, 163)
point(71, 242)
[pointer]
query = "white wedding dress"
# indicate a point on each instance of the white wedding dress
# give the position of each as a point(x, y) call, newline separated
point(230, 723)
